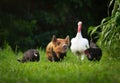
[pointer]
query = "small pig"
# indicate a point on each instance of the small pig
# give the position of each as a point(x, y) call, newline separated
point(30, 55)
point(57, 48)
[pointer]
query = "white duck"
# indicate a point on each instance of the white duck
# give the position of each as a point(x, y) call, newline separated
point(78, 43)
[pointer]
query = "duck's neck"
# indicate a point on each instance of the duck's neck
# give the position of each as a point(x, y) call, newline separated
point(79, 31)
point(79, 35)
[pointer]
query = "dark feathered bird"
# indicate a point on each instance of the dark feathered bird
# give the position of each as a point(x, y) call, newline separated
point(94, 52)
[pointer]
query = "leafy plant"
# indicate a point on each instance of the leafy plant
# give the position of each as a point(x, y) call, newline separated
point(109, 37)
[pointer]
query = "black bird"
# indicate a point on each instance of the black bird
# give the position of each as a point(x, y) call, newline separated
point(94, 53)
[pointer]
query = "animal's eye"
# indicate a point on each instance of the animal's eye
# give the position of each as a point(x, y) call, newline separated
point(58, 43)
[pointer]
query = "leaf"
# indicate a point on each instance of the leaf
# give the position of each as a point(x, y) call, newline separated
point(94, 30)
point(111, 2)
point(105, 20)
point(116, 7)
point(90, 29)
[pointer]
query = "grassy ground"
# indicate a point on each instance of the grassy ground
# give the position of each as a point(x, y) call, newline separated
point(70, 70)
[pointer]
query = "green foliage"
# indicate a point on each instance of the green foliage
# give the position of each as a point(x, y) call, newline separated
point(17, 32)
point(109, 37)
point(70, 70)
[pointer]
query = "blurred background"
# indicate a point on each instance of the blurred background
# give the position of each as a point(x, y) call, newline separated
point(28, 24)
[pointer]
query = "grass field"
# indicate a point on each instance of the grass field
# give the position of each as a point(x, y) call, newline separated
point(70, 70)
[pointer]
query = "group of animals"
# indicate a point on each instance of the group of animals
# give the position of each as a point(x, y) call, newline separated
point(56, 50)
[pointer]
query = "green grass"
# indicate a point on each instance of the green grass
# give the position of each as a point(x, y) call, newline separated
point(70, 70)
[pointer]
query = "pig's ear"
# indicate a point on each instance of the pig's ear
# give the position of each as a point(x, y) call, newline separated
point(67, 38)
point(54, 39)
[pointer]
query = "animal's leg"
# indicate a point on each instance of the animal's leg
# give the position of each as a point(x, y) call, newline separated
point(82, 57)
